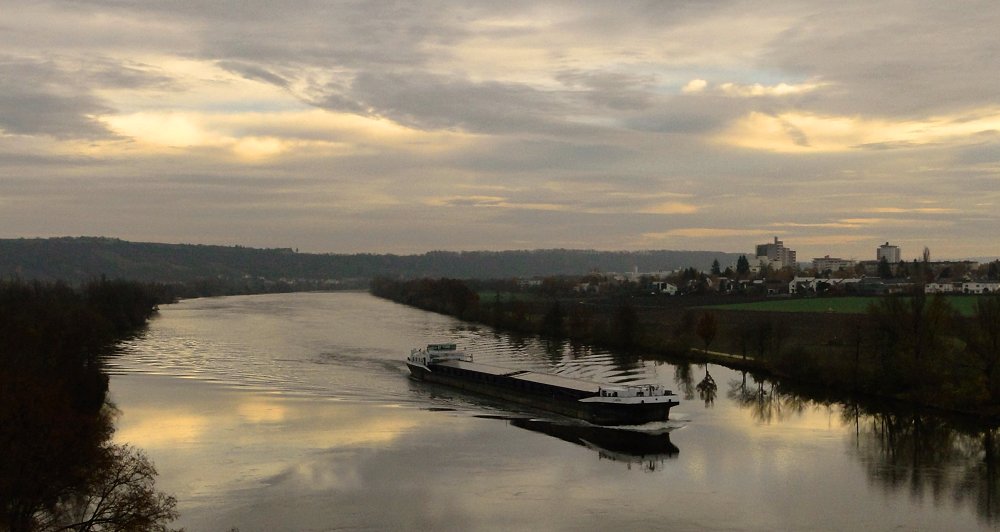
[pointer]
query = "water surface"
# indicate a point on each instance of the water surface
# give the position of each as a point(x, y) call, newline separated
point(295, 412)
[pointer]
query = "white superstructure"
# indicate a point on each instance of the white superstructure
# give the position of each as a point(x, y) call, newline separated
point(435, 353)
point(631, 394)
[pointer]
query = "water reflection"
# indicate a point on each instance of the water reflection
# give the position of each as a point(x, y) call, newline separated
point(933, 458)
point(386, 449)
point(764, 399)
point(707, 389)
point(930, 458)
point(646, 449)
point(684, 380)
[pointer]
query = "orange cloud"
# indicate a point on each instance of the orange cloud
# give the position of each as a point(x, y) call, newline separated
point(800, 132)
point(757, 90)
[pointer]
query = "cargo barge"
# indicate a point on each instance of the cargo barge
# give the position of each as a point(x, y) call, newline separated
point(600, 404)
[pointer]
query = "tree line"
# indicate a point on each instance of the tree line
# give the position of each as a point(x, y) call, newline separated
point(76, 260)
point(59, 469)
point(920, 348)
point(912, 348)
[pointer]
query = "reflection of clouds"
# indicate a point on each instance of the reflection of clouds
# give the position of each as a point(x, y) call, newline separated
point(304, 464)
point(157, 428)
point(335, 472)
point(303, 427)
point(284, 463)
point(262, 411)
point(350, 426)
point(213, 444)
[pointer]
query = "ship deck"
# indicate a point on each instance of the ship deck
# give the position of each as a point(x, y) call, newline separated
point(546, 379)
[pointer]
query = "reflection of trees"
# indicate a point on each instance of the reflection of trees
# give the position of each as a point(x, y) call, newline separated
point(925, 455)
point(554, 350)
point(684, 379)
point(626, 362)
point(758, 396)
point(707, 388)
point(929, 457)
point(764, 399)
point(979, 484)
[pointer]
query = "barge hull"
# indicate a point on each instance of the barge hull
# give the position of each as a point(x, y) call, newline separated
point(563, 401)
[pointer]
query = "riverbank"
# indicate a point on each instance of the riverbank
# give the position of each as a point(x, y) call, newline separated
point(917, 350)
point(58, 469)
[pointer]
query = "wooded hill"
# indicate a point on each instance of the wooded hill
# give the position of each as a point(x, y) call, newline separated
point(79, 259)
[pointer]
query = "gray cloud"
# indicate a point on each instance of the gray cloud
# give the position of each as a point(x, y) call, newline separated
point(572, 112)
point(614, 90)
point(56, 97)
point(37, 99)
point(512, 156)
point(435, 102)
point(254, 72)
point(685, 114)
point(896, 58)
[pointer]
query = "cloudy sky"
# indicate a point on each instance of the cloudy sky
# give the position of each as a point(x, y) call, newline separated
point(350, 126)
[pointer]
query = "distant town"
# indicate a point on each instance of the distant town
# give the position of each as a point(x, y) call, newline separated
point(771, 269)
point(774, 270)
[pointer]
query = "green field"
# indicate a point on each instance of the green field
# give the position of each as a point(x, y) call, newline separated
point(840, 305)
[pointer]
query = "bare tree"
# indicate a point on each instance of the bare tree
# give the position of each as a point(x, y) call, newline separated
point(120, 496)
point(707, 328)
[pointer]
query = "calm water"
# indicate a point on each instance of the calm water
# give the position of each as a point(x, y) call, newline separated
point(294, 412)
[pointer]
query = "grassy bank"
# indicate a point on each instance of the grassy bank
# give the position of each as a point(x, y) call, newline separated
point(964, 305)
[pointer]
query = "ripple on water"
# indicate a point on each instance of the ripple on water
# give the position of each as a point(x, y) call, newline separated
point(315, 346)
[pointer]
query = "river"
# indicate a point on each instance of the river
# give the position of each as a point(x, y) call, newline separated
point(295, 412)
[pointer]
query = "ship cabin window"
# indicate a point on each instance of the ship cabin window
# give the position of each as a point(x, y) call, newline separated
point(639, 393)
point(614, 394)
